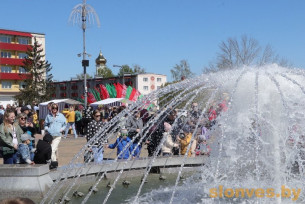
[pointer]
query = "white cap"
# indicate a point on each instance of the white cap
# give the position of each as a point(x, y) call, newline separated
point(26, 136)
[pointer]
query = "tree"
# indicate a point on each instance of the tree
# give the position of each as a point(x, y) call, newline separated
point(38, 80)
point(105, 72)
point(235, 53)
point(181, 71)
point(81, 76)
point(137, 69)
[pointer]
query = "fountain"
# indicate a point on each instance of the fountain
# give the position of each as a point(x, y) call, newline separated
point(257, 146)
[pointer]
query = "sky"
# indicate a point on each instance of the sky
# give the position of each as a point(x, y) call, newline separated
point(157, 34)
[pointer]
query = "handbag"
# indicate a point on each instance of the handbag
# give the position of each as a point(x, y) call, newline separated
point(7, 150)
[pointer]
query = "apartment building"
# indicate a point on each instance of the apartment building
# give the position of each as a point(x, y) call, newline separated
point(13, 48)
point(145, 83)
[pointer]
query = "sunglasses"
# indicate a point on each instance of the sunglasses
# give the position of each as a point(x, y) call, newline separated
point(55, 108)
point(97, 115)
point(23, 118)
point(124, 134)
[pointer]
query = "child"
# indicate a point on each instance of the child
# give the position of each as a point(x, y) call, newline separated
point(184, 138)
point(44, 150)
point(23, 154)
point(202, 147)
point(168, 143)
point(121, 142)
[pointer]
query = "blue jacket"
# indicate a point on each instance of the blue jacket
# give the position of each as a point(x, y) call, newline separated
point(120, 143)
point(55, 125)
point(23, 154)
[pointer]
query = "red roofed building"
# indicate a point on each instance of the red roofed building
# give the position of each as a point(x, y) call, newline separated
point(13, 48)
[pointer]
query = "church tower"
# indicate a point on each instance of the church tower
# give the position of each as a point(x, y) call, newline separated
point(100, 63)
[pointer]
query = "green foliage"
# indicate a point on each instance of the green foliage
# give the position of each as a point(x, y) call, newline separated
point(38, 83)
point(105, 72)
point(81, 76)
point(137, 69)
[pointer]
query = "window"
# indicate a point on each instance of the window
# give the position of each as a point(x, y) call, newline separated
point(6, 69)
point(159, 79)
point(5, 39)
point(145, 79)
point(5, 54)
point(22, 85)
point(6, 84)
point(22, 70)
point(22, 55)
point(145, 88)
point(24, 41)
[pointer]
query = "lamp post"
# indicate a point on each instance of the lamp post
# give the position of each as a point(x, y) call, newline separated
point(122, 71)
point(80, 14)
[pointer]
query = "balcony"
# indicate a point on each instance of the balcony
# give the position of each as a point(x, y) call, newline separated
point(11, 61)
point(14, 76)
point(18, 47)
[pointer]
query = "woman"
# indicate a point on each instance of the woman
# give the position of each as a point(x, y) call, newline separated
point(10, 137)
point(93, 127)
point(27, 127)
point(55, 124)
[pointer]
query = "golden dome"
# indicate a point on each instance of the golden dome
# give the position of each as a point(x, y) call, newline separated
point(101, 59)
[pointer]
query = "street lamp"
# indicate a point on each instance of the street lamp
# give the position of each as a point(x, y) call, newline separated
point(80, 14)
point(122, 71)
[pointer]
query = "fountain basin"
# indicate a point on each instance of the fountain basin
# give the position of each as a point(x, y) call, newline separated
point(21, 180)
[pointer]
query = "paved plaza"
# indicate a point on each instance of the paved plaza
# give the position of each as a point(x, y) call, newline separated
point(69, 147)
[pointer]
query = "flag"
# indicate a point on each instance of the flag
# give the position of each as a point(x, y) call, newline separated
point(118, 88)
point(109, 90)
point(92, 92)
point(128, 92)
point(141, 96)
point(113, 90)
point(136, 95)
point(104, 91)
point(124, 88)
point(132, 94)
point(80, 99)
point(150, 106)
point(97, 93)
point(99, 90)
point(90, 98)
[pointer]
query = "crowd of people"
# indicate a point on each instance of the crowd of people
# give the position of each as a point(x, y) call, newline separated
point(171, 127)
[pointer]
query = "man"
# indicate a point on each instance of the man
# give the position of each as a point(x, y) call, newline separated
point(134, 126)
point(55, 124)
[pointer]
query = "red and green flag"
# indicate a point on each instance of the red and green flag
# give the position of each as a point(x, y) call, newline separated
point(124, 88)
point(104, 91)
point(128, 92)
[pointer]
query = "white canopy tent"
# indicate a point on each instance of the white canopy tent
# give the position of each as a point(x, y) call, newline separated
point(111, 102)
point(43, 107)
